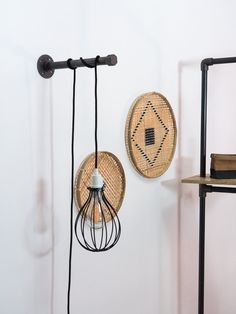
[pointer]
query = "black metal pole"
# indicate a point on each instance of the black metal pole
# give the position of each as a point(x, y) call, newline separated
point(46, 66)
point(203, 189)
point(212, 61)
point(201, 273)
point(204, 68)
point(202, 193)
point(219, 189)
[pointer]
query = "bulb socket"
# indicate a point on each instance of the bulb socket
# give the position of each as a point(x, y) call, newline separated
point(97, 180)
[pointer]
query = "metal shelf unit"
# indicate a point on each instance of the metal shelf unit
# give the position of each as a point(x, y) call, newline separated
point(206, 184)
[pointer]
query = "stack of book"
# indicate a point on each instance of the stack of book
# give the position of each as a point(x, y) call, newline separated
point(223, 166)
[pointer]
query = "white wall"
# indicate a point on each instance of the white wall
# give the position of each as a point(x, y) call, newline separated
point(153, 268)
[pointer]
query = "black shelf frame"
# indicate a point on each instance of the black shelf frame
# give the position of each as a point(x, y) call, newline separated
point(205, 188)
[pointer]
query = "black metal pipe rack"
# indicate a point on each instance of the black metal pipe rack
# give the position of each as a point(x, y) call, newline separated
point(205, 188)
point(46, 66)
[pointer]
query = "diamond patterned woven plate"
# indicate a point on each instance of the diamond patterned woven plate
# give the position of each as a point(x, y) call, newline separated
point(150, 134)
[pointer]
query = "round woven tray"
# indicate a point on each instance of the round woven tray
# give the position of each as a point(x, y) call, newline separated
point(114, 178)
point(150, 134)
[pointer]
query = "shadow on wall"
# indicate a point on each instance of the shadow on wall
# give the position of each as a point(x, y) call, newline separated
point(184, 241)
point(180, 227)
point(188, 162)
point(39, 224)
point(39, 228)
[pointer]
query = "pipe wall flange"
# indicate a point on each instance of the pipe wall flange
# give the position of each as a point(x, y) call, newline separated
point(43, 66)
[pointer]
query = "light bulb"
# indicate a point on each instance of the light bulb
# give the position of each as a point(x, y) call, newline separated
point(94, 212)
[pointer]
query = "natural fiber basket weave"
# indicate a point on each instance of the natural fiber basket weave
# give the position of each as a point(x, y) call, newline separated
point(150, 134)
point(114, 178)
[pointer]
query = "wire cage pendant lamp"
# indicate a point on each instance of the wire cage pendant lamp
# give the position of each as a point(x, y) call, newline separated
point(95, 233)
point(97, 225)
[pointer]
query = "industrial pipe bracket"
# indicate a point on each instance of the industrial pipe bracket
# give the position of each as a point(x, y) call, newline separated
point(46, 66)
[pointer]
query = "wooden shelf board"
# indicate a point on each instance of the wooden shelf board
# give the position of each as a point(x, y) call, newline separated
point(207, 180)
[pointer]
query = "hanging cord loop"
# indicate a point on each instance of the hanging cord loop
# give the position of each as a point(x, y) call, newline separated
point(72, 184)
point(69, 64)
point(96, 105)
point(86, 64)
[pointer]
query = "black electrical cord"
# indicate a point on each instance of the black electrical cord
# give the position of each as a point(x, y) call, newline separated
point(96, 113)
point(72, 163)
point(96, 105)
point(72, 184)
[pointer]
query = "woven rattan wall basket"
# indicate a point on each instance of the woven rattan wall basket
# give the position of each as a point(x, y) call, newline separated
point(114, 178)
point(150, 134)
